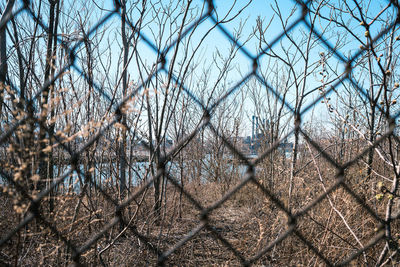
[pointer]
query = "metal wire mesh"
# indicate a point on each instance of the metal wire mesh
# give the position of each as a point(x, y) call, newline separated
point(340, 182)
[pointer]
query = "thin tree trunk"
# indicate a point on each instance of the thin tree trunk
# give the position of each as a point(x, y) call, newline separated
point(43, 158)
point(293, 164)
point(122, 150)
point(3, 49)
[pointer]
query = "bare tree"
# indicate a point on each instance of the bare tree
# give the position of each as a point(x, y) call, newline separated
point(369, 112)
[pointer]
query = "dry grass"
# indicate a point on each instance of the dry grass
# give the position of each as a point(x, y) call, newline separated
point(249, 221)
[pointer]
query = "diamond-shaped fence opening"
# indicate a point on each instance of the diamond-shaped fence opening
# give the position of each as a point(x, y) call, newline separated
point(155, 133)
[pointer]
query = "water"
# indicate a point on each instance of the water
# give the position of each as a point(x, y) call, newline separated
point(107, 174)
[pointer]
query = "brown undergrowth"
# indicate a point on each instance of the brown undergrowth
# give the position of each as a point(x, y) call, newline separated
point(244, 227)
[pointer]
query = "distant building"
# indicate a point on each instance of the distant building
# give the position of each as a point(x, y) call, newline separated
point(260, 137)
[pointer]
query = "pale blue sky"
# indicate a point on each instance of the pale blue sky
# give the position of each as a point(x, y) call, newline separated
point(218, 41)
point(257, 8)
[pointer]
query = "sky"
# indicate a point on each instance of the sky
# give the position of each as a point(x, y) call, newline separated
point(242, 64)
point(217, 41)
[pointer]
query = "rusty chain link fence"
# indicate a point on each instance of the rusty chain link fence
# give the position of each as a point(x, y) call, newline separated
point(331, 203)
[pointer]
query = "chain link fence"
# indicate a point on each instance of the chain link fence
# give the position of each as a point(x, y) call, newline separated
point(106, 224)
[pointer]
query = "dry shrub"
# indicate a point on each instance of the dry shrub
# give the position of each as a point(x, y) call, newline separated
point(249, 220)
